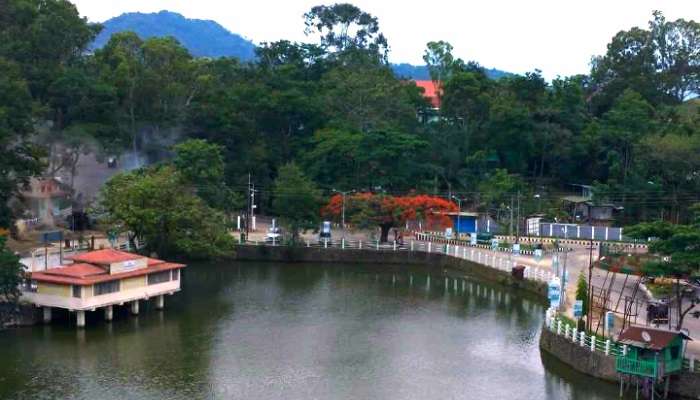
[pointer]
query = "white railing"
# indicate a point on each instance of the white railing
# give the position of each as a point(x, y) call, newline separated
point(474, 254)
point(599, 344)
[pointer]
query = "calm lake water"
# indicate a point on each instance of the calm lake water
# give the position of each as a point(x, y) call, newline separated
point(269, 331)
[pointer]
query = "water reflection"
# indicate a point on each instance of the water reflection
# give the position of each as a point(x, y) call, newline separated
point(266, 331)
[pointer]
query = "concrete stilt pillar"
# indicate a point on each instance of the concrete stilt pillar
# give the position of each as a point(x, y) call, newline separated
point(80, 318)
point(135, 307)
point(47, 314)
point(109, 313)
point(160, 302)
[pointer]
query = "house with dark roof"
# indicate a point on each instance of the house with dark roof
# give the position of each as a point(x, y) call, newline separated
point(651, 353)
point(100, 280)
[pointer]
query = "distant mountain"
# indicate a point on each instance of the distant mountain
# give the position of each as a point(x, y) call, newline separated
point(203, 38)
point(420, 72)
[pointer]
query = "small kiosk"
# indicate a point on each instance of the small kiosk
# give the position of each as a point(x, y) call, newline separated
point(650, 358)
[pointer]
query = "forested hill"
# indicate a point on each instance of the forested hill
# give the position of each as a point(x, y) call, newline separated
point(203, 38)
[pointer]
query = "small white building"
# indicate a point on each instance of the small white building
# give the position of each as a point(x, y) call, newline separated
point(102, 279)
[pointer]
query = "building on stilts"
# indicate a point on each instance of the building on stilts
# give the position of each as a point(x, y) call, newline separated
point(651, 357)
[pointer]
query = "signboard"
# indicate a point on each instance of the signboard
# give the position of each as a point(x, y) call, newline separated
point(53, 236)
point(578, 309)
point(554, 293)
point(472, 239)
point(516, 249)
point(494, 244)
point(538, 255)
point(448, 233)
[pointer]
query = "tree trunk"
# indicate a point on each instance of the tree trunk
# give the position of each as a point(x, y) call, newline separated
point(384, 236)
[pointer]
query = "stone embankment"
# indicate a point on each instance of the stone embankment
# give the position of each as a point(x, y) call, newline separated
point(431, 260)
point(596, 357)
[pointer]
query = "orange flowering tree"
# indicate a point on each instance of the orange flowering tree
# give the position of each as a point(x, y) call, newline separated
point(366, 210)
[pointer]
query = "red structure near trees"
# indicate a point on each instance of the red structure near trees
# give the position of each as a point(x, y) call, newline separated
point(365, 210)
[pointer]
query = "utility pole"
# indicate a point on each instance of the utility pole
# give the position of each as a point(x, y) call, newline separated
point(517, 222)
point(247, 210)
point(343, 194)
point(459, 214)
point(510, 229)
point(252, 204)
point(589, 309)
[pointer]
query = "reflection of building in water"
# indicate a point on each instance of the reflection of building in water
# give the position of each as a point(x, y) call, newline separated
point(102, 279)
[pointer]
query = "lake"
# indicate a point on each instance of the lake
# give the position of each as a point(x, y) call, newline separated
point(296, 331)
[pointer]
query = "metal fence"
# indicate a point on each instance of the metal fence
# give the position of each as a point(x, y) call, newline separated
point(574, 231)
point(601, 344)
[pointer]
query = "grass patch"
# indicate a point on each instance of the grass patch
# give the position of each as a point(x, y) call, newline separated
point(660, 290)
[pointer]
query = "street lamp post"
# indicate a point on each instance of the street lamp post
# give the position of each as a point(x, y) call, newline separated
point(459, 214)
point(343, 194)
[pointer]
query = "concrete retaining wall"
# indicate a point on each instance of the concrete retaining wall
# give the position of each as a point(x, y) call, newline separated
point(362, 256)
point(582, 359)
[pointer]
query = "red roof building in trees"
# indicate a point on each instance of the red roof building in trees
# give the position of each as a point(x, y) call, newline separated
point(431, 91)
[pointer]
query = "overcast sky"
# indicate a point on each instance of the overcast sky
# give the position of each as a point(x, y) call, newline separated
point(557, 36)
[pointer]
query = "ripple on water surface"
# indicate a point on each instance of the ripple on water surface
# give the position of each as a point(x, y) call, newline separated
point(267, 331)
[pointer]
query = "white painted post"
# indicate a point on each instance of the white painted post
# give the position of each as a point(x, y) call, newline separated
point(377, 244)
point(566, 331)
point(464, 252)
point(624, 350)
point(606, 233)
point(592, 343)
point(411, 245)
point(592, 232)
point(578, 231)
point(692, 363)
point(559, 327)
point(80, 318)
point(551, 230)
point(394, 245)
point(607, 347)
point(447, 249)
point(360, 245)
point(342, 243)
point(429, 247)
point(47, 314)
point(308, 244)
point(325, 243)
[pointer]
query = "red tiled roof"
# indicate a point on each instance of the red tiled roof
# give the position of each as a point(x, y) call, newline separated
point(104, 257)
point(54, 276)
point(76, 271)
point(659, 338)
point(430, 91)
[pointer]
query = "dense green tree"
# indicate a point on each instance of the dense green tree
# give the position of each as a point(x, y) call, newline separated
point(201, 164)
point(11, 273)
point(296, 200)
point(156, 205)
point(679, 245)
point(582, 292)
point(19, 159)
point(345, 28)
